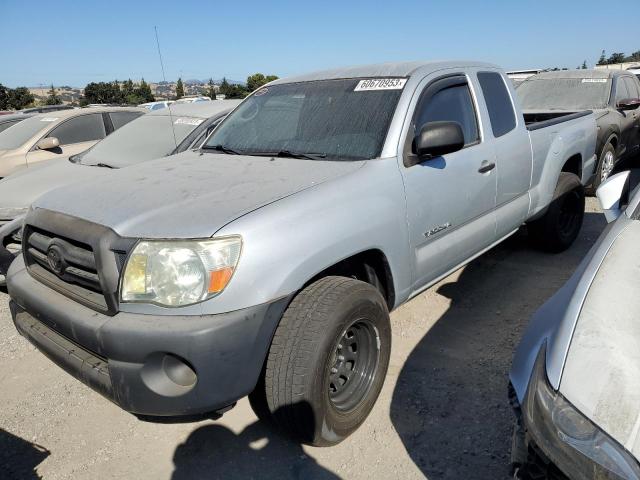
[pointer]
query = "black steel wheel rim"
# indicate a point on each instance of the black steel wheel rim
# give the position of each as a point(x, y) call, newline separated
point(569, 218)
point(353, 365)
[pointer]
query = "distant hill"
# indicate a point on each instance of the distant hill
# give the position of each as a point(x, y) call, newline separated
point(205, 81)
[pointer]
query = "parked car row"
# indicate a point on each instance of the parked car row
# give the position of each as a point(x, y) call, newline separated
point(262, 257)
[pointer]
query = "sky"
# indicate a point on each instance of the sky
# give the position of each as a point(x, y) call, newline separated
point(75, 42)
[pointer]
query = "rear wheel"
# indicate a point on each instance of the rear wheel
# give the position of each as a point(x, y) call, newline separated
point(559, 227)
point(327, 362)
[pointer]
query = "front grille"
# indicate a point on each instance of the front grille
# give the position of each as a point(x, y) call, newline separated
point(65, 265)
point(75, 257)
point(73, 262)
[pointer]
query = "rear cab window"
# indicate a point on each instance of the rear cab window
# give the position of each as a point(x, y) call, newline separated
point(499, 105)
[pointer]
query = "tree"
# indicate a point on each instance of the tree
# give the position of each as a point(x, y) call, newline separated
point(4, 97)
point(144, 93)
point(102, 92)
point(603, 58)
point(128, 89)
point(232, 91)
point(20, 98)
point(53, 98)
point(179, 89)
point(211, 90)
point(616, 58)
point(257, 80)
point(584, 65)
point(634, 57)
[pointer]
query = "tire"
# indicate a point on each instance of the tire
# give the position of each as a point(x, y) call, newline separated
point(327, 361)
point(606, 163)
point(559, 227)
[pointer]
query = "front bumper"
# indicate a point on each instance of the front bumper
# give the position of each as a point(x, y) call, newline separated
point(166, 366)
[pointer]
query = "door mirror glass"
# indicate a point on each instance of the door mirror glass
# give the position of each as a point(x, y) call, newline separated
point(612, 195)
point(49, 143)
point(629, 104)
point(438, 138)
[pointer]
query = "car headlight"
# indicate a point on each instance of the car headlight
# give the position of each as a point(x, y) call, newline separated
point(571, 441)
point(176, 273)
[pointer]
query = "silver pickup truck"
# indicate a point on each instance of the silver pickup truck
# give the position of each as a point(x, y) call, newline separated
point(267, 262)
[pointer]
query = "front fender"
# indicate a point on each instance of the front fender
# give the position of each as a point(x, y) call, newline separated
point(287, 243)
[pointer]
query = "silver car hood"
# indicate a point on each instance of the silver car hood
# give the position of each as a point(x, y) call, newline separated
point(189, 195)
point(22, 188)
point(602, 371)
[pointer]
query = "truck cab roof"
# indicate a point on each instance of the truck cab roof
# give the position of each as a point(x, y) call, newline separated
point(390, 69)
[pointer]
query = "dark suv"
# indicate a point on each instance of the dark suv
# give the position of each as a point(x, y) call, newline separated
point(613, 95)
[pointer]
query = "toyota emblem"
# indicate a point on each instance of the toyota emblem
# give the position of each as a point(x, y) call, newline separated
point(55, 260)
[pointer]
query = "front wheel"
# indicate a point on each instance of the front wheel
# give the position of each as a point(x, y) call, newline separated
point(559, 227)
point(606, 164)
point(327, 361)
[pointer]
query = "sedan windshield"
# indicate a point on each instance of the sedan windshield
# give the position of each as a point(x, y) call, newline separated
point(145, 138)
point(564, 93)
point(335, 119)
point(17, 135)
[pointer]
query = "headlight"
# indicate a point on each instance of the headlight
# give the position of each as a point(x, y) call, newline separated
point(574, 443)
point(179, 272)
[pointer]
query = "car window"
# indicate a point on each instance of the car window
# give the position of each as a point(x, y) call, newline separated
point(5, 125)
point(84, 128)
point(19, 134)
point(633, 87)
point(499, 105)
point(621, 91)
point(119, 119)
point(450, 104)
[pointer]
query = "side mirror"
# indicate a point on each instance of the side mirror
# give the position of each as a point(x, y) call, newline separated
point(629, 104)
point(612, 193)
point(438, 138)
point(48, 143)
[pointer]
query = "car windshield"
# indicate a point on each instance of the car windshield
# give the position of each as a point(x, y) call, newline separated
point(564, 93)
point(145, 138)
point(336, 119)
point(16, 135)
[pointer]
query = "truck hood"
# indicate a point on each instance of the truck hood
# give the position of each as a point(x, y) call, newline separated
point(22, 188)
point(190, 195)
point(602, 372)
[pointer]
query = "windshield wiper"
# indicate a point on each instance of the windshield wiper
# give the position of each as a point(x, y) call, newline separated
point(291, 154)
point(221, 148)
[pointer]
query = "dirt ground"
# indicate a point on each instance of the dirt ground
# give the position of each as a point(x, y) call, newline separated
point(443, 413)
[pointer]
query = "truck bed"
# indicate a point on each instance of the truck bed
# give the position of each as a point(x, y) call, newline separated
point(537, 120)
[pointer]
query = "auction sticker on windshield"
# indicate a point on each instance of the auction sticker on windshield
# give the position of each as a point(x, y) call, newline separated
point(594, 80)
point(49, 119)
point(380, 84)
point(188, 121)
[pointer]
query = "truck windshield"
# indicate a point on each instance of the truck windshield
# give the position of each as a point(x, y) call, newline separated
point(564, 93)
point(145, 138)
point(333, 119)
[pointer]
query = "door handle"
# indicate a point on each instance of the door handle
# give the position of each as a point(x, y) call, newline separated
point(486, 167)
